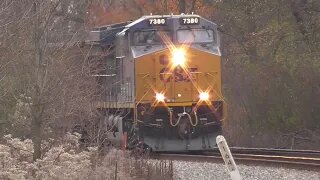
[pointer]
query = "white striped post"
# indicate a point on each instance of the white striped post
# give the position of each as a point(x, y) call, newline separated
point(228, 159)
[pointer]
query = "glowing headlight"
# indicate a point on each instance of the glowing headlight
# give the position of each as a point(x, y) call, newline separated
point(178, 57)
point(204, 96)
point(160, 97)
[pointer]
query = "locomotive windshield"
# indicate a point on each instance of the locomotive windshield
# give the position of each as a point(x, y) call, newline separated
point(195, 36)
point(149, 37)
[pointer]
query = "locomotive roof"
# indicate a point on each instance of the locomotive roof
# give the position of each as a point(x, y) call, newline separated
point(107, 34)
point(143, 18)
point(164, 16)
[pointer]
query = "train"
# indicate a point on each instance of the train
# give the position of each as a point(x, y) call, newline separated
point(160, 82)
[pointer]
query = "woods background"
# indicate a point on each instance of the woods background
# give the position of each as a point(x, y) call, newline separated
point(270, 51)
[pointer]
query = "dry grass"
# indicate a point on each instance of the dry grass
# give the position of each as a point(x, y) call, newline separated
point(121, 166)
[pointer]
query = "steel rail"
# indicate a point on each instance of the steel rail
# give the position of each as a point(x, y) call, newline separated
point(265, 157)
point(271, 151)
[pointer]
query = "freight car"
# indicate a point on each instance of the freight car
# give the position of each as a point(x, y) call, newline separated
point(161, 82)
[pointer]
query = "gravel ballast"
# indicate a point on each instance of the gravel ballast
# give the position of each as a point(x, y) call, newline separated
point(187, 170)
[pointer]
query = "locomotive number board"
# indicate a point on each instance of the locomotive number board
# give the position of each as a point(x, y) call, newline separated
point(189, 20)
point(157, 21)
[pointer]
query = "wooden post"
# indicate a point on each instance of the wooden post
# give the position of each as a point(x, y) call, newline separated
point(116, 172)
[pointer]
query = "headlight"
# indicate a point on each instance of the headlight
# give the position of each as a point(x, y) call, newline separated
point(178, 57)
point(204, 96)
point(160, 97)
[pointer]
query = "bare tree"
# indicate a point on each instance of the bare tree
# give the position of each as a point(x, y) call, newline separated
point(45, 63)
point(182, 6)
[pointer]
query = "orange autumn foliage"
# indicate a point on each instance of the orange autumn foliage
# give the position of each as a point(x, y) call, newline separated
point(101, 13)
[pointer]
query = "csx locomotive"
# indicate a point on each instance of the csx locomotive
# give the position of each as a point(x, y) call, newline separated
point(161, 82)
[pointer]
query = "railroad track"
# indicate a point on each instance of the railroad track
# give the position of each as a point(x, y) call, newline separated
point(269, 151)
point(288, 158)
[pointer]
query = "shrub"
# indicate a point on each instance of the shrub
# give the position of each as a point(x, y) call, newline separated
point(65, 160)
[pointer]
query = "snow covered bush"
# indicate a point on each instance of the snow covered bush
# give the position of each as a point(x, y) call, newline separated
point(59, 162)
point(65, 160)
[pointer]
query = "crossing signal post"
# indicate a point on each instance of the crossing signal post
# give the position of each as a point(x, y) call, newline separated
point(228, 159)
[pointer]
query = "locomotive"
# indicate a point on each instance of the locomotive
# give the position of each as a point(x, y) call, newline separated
point(161, 82)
